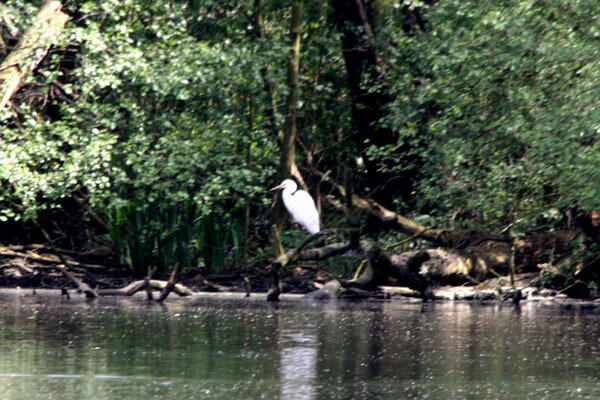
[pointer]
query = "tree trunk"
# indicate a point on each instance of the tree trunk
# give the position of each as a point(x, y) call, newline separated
point(369, 93)
point(287, 167)
point(31, 49)
point(363, 66)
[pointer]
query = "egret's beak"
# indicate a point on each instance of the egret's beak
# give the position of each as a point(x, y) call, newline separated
point(276, 188)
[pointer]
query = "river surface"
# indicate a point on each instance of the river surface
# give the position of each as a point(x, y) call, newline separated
point(227, 348)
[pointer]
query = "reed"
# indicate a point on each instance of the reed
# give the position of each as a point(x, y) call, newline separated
point(160, 235)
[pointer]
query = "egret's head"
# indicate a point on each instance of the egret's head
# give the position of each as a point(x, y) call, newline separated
point(288, 183)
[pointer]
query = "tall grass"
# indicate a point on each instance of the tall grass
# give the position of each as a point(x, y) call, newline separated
point(157, 235)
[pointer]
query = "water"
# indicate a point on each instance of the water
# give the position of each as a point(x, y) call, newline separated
point(247, 349)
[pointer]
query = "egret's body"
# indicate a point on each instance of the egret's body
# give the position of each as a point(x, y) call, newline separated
point(301, 205)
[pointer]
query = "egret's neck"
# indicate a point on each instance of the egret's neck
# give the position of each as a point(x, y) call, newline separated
point(291, 190)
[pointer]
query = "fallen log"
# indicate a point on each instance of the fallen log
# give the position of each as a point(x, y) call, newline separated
point(79, 284)
point(155, 284)
point(49, 260)
point(452, 238)
point(100, 253)
point(380, 269)
point(321, 253)
point(407, 272)
point(419, 270)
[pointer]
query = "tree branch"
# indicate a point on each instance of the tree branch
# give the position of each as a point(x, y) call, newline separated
point(31, 49)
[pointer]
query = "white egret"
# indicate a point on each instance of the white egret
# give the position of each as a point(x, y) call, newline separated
point(300, 205)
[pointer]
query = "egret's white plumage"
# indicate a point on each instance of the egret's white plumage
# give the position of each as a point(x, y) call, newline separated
point(300, 205)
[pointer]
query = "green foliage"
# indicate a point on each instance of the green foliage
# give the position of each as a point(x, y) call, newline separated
point(169, 111)
point(159, 127)
point(508, 94)
point(184, 138)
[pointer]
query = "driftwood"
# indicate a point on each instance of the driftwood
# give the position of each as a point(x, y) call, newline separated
point(99, 255)
point(331, 290)
point(475, 257)
point(5, 252)
point(81, 286)
point(31, 49)
point(380, 268)
point(64, 266)
point(136, 286)
point(166, 287)
point(170, 284)
point(418, 270)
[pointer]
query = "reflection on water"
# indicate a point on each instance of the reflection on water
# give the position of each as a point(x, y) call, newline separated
point(247, 349)
point(298, 371)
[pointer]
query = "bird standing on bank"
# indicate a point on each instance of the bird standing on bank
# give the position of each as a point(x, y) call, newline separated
point(300, 204)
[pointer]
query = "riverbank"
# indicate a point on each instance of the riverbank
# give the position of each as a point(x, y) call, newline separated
point(443, 295)
point(36, 271)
